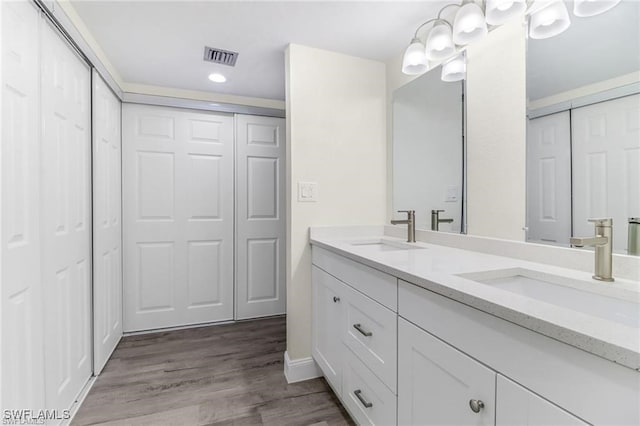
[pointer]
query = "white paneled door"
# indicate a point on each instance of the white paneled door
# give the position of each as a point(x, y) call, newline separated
point(260, 238)
point(177, 217)
point(549, 179)
point(107, 227)
point(66, 218)
point(606, 165)
point(21, 320)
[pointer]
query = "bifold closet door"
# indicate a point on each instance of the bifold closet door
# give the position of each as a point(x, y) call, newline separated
point(549, 179)
point(606, 165)
point(260, 217)
point(177, 217)
point(66, 218)
point(107, 223)
point(21, 320)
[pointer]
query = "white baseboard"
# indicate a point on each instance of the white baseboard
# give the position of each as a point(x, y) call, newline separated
point(298, 370)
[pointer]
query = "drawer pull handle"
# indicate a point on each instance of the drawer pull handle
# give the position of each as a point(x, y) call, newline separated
point(336, 299)
point(476, 405)
point(364, 333)
point(363, 401)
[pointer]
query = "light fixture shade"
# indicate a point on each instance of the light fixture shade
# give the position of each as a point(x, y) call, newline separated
point(549, 21)
point(415, 61)
point(439, 42)
point(500, 11)
point(469, 24)
point(454, 69)
point(584, 8)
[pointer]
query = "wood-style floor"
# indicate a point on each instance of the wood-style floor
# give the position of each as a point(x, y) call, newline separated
point(218, 375)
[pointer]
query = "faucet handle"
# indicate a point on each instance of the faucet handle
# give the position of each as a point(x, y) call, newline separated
point(410, 213)
point(606, 221)
point(436, 211)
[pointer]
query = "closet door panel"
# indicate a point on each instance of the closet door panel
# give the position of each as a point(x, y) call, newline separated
point(606, 160)
point(66, 222)
point(178, 217)
point(260, 253)
point(21, 356)
point(549, 179)
point(107, 223)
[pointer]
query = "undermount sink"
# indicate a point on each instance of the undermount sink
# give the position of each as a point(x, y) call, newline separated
point(595, 299)
point(381, 244)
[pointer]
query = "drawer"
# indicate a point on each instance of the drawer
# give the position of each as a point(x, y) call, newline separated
point(367, 399)
point(371, 333)
point(379, 286)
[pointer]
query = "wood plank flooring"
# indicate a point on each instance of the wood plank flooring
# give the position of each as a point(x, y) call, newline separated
point(217, 375)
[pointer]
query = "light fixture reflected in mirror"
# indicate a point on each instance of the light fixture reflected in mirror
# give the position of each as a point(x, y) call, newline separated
point(500, 11)
point(415, 60)
point(454, 69)
point(549, 21)
point(469, 24)
point(439, 42)
point(585, 8)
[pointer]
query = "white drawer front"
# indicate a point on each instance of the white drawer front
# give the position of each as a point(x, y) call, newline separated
point(371, 333)
point(368, 400)
point(375, 284)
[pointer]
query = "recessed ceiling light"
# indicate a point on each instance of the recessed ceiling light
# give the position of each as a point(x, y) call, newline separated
point(217, 78)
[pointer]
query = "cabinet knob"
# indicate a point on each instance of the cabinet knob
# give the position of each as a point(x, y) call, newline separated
point(336, 299)
point(476, 405)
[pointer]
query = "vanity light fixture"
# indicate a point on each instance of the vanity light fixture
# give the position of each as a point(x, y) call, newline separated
point(415, 60)
point(550, 20)
point(585, 8)
point(547, 18)
point(469, 24)
point(500, 11)
point(440, 42)
point(454, 69)
point(217, 78)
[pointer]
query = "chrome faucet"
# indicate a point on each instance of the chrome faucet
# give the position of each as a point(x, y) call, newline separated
point(436, 221)
point(603, 243)
point(410, 222)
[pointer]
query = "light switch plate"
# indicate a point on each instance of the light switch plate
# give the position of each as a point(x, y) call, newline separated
point(307, 192)
point(452, 194)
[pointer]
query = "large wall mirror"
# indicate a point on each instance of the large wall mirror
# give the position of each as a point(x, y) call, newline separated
point(428, 151)
point(583, 136)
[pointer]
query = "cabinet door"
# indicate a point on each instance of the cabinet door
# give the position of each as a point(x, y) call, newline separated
point(327, 325)
point(518, 406)
point(437, 383)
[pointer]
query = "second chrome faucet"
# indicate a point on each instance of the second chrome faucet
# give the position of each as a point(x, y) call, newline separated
point(410, 222)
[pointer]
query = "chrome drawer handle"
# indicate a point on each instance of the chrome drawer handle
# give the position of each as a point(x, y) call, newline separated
point(476, 405)
point(364, 333)
point(336, 299)
point(363, 401)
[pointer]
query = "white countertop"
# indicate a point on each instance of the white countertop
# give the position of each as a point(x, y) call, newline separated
point(436, 267)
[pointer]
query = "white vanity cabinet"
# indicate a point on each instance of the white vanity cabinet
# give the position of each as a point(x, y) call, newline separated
point(438, 384)
point(397, 353)
point(354, 335)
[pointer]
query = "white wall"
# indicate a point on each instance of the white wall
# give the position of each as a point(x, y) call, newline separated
point(336, 136)
point(496, 134)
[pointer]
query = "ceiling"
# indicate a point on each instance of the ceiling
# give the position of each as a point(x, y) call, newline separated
point(162, 42)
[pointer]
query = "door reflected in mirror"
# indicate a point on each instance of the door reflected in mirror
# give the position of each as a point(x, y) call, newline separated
point(583, 136)
point(428, 151)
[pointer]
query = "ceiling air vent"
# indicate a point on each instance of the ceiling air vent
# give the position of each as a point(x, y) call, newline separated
point(219, 56)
